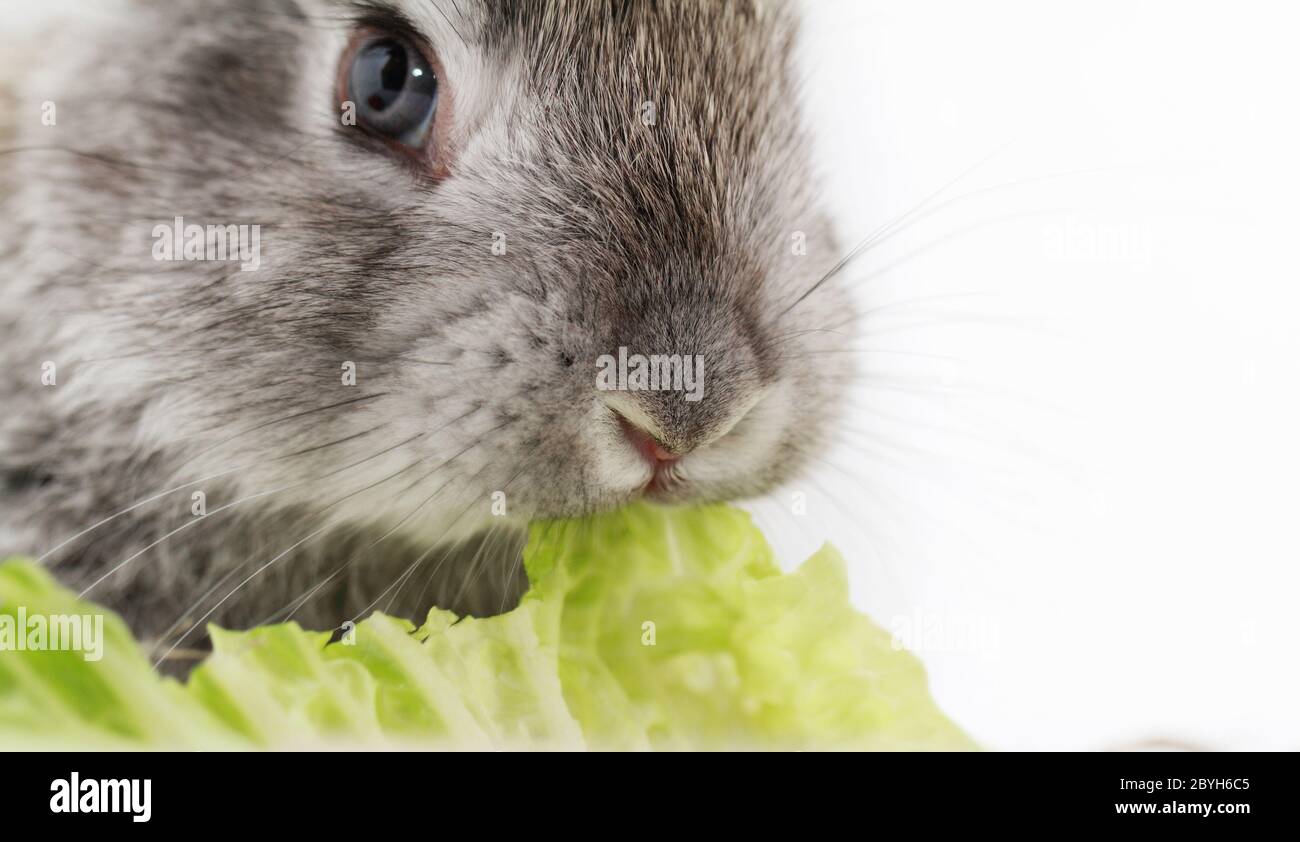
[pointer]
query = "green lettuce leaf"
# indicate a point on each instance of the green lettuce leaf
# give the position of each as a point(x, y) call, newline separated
point(646, 628)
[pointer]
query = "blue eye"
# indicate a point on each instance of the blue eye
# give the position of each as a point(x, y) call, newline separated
point(394, 89)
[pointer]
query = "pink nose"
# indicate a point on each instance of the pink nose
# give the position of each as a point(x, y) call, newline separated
point(647, 445)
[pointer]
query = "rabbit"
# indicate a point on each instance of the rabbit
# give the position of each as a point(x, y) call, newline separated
point(442, 215)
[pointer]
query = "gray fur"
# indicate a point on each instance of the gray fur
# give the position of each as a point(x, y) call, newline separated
point(476, 372)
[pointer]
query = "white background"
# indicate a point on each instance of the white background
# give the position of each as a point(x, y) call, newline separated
point(1075, 443)
point(1073, 455)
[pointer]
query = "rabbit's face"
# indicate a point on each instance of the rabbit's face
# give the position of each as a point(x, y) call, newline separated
point(563, 252)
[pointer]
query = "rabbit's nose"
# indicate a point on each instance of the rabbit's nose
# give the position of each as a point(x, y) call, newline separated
point(646, 444)
point(664, 429)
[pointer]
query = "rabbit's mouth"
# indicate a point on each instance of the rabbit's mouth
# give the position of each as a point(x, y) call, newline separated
point(634, 457)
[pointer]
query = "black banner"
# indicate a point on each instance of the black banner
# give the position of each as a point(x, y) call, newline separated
point(378, 793)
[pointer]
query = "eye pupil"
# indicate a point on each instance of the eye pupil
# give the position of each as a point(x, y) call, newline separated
point(395, 88)
point(393, 73)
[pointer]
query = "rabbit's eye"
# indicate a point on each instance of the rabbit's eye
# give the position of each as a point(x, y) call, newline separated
point(393, 88)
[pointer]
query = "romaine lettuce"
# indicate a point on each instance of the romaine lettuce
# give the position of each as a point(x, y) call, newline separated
point(646, 628)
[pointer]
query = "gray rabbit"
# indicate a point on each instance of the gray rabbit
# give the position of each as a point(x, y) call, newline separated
point(304, 304)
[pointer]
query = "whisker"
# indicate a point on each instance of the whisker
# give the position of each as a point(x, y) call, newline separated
point(190, 484)
point(875, 236)
point(298, 603)
point(911, 217)
point(235, 590)
point(817, 351)
point(474, 573)
point(317, 515)
point(184, 615)
point(922, 300)
point(527, 462)
point(437, 491)
point(292, 417)
point(954, 235)
point(133, 507)
point(448, 548)
point(182, 528)
point(242, 500)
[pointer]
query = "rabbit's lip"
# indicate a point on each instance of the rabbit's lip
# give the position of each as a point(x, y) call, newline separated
point(658, 486)
point(664, 484)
